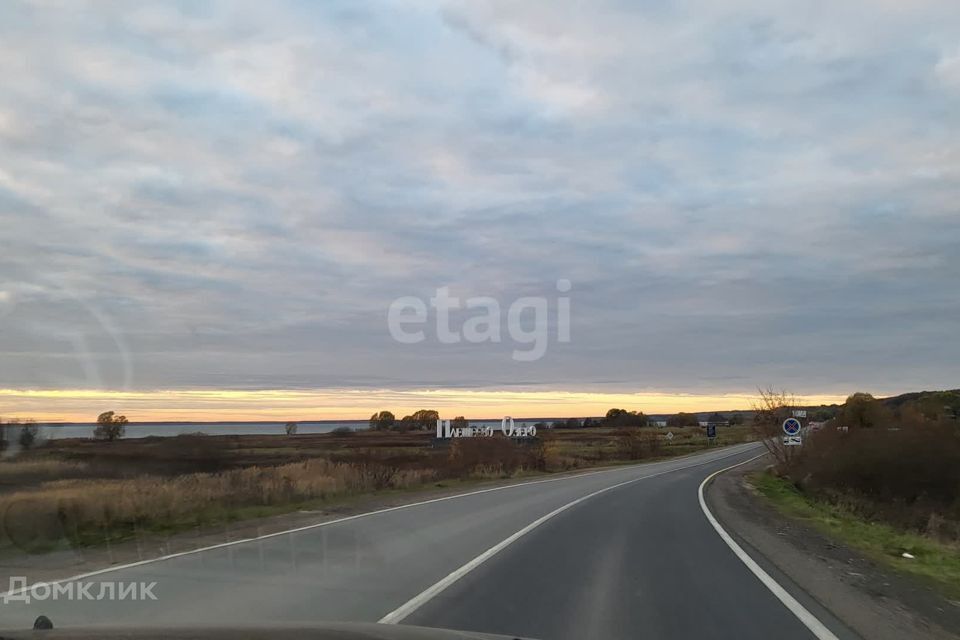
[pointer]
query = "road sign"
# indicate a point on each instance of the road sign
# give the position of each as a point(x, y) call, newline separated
point(711, 431)
point(799, 413)
point(791, 426)
point(669, 435)
point(792, 441)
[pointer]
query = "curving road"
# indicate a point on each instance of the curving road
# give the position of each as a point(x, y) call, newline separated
point(618, 553)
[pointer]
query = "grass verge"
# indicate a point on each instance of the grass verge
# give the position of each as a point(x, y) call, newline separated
point(933, 560)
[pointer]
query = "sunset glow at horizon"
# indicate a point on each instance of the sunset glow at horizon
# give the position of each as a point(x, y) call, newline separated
point(79, 405)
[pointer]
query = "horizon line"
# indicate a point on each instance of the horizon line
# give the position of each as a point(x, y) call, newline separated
point(283, 405)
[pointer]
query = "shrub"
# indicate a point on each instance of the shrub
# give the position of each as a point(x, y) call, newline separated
point(467, 454)
point(28, 434)
point(550, 457)
point(904, 476)
point(636, 444)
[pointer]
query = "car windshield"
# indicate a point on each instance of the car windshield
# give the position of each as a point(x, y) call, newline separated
point(543, 319)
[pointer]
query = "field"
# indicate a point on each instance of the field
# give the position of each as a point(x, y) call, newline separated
point(85, 493)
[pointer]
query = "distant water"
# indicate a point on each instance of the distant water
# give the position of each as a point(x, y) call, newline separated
point(145, 429)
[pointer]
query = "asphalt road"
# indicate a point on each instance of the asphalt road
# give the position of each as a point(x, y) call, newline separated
point(635, 557)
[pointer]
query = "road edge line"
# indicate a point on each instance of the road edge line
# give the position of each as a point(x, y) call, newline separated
point(403, 611)
point(810, 621)
point(356, 516)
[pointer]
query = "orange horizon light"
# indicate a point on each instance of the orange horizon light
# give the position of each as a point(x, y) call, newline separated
point(83, 405)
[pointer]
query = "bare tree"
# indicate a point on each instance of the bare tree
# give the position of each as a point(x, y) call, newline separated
point(291, 428)
point(770, 410)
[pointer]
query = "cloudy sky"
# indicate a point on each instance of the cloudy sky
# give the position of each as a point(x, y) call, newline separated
point(208, 208)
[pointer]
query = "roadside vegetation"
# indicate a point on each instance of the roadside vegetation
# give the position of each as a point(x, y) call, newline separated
point(933, 558)
point(884, 476)
point(83, 492)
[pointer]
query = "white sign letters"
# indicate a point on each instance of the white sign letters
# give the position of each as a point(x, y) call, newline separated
point(507, 427)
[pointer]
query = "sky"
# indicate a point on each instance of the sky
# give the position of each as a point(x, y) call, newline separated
point(209, 208)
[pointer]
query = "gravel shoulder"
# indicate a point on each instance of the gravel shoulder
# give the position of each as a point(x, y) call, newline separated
point(873, 601)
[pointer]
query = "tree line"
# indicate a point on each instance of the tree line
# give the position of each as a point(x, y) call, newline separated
point(422, 420)
point(426, 420)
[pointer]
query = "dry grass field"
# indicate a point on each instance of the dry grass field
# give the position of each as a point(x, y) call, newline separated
point(84, 492)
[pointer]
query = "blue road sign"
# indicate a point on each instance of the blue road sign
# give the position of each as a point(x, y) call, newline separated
point(791, 426)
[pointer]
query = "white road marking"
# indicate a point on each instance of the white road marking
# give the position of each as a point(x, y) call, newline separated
point(222, 545)
point(810, 621)
point(404, 610)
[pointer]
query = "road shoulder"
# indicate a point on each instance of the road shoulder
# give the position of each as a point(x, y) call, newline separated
point(873, 601)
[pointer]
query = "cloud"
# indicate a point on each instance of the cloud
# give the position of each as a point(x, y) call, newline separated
point(231, 196)
point(947, 71)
